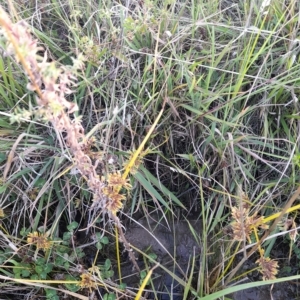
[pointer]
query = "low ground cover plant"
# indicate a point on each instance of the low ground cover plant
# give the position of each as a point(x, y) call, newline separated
point(111, 109)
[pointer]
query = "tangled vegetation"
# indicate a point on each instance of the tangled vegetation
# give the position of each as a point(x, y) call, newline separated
point(113, 109)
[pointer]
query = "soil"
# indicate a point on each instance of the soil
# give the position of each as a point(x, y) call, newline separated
point(280, 291)
point(174, 241)
point(171, 241)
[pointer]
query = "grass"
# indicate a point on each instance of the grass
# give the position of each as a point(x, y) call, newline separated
point(185, 107)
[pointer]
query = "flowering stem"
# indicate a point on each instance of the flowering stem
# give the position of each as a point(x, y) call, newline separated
point(261, 252)
point(117, 252)
point(141, 147)
point(254, 248)
point(19, 55)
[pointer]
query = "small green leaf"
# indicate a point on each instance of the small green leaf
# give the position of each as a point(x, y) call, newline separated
point(109, 274)
point(48, 268)
point(59, 261)
point(153, 256)
point(67, 265)
point(109, 297)
point(41, 261)
point(107, 264)
point(79, 253)
point(34, 277)
point(25, 273)
point(39, 269)
point(67, 236)
point(50, 293)
point(104, 240)
point(62, 249)
point(71, 286)
point(143, 274)
point(17, 270)
point(24, 232)
point(72, 226)
point(99, 246)
point(43, 275)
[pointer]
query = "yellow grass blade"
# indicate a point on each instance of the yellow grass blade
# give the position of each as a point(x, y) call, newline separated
point(132, 161)
point(139, 294)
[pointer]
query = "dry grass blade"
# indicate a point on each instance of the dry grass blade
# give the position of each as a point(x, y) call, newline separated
point(11, 154)
point(39, 284)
